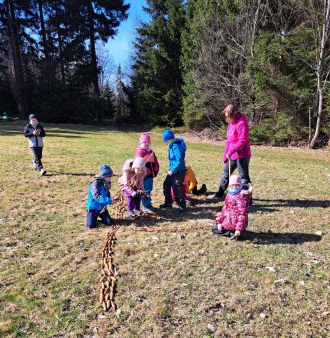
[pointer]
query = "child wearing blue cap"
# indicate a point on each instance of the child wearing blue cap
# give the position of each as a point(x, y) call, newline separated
point(99, 197)
point(177, 171)
point(34, 131)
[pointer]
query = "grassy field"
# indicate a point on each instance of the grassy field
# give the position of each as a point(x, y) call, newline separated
point(186, 283)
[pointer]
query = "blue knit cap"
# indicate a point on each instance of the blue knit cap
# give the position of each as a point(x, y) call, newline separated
point(32, 116)
point(167, 135)
point(105, 171)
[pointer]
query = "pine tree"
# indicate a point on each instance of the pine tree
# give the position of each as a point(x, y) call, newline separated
point(157, 75)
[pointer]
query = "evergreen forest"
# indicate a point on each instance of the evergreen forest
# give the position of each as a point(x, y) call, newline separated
point(192, 58)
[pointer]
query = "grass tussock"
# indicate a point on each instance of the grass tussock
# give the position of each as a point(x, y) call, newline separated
point(179, 283)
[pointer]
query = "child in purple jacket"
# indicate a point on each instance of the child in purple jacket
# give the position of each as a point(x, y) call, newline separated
point(233, 218)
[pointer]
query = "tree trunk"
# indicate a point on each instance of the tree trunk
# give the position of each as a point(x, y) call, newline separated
point(19, 92)
point(320, 74)
point(93, 53)
point(44, 39)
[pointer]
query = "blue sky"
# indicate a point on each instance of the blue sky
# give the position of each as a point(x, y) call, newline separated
point(121, 45)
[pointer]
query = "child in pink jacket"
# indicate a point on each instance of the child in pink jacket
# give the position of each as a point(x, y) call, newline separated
point(131, 183)
point(233, 218)
point(152, 168)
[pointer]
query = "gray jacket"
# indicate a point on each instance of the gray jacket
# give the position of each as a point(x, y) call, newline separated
point(34, 141)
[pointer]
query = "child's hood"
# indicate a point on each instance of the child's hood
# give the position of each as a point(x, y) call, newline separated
point(128, 164)
point(180, 143)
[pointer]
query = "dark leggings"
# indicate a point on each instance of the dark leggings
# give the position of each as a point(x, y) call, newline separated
point(242, 164)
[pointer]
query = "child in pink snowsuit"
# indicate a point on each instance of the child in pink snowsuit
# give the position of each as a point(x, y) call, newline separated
point(233, 218)
point(185, 190)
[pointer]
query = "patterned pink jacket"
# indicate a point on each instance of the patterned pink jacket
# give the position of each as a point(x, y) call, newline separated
point(234, 213)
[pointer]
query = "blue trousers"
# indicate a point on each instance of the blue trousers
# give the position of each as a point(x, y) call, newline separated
point(175, 181)
point(92, 215)
point(148, 184)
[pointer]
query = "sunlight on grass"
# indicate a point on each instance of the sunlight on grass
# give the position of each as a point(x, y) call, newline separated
point(183, 283)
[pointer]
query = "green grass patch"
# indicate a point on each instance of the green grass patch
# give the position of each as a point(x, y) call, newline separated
point(170, 284)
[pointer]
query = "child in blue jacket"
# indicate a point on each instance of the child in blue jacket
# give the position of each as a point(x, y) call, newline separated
point(99, 197)
point(177, 172)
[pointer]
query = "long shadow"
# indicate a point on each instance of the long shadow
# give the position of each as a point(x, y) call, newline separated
point(274, 205)
point(265, 238)
point(256, 208)
point(51, 173)
point(295, 203)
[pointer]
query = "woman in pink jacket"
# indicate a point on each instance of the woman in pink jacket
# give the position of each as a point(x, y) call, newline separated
point(237, 152)
point(233, 218)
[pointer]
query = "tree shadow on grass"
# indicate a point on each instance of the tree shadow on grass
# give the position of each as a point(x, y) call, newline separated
point(265, 238)
point(264, 205)
point(299, 203)
point(53, 173)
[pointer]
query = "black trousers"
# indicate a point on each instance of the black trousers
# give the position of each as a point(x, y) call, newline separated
point(175, 181)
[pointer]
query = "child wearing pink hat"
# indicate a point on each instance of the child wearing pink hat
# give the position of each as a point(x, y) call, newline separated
point(152, 169)
point(233, 218)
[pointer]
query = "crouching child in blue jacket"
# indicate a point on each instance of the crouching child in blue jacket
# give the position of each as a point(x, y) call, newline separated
point(99, 197)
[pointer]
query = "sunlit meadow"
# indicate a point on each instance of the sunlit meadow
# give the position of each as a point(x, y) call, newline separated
point(181, 283)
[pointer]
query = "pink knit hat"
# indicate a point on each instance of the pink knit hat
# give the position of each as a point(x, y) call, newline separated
point(144, 138)
point(235, 179)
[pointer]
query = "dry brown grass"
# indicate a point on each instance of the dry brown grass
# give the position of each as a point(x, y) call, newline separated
point(170, 284)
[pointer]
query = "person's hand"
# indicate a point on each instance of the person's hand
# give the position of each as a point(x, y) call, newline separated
point(154, 175)
point(219, 227)
point(134, 193)
point(237, 233)
point(36, 132)
point(170, 173)
point(228, 156)
point(145, 196)
point(114, 201)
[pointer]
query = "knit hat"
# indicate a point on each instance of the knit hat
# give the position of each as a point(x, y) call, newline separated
point(105, 171)
point(235, 179)
point(144, 138)
point(138, 162)
point(32, 116)
point(167, 135)
point(128, 164)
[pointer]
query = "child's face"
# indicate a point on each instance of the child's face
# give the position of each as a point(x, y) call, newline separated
point(234, 186)
point(138, 170)
point(145, 145)
point(33, 121)
point(107, 179)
